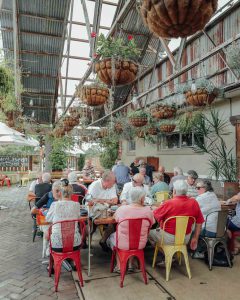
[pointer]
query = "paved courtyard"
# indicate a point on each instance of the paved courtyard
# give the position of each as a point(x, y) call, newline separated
point(23, 276)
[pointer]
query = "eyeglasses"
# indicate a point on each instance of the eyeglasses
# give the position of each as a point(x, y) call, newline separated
point(199, 187)
point(64, 182)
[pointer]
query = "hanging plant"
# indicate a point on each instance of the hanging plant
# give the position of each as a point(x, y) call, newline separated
point(162, 111)
point(172, 18)
point(102, 133)
point(201, 92)
point(138, 118)
point(117, 66)
point(167, 127)
point(141, 133)
point(188, 120)
point(95, 94)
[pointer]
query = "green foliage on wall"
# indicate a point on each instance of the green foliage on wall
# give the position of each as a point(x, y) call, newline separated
point(110, 152)
point(81, 161)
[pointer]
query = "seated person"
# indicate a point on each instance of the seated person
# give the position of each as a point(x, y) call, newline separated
point(135, 209)
point(137, 180)
point(88, 170)
point(134, 167)
point(149, 169)
point(166, 177)
point(178, 174)
point(208, 203)
point(104, 190)
point(78, 188)
point(35, 182)
point(62, 210)
point(49, 197)
point(159, 184)
point(42, 188)
point(147, 180)
point(234, 222)
point(191, 180)
point(179, 205)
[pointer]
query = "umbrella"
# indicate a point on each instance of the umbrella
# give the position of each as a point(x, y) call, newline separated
point(5, 130)
point(14, 140)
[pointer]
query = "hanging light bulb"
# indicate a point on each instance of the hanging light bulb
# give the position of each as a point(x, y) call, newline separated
point(31, 102)
point(33, 114)
point(193, 87)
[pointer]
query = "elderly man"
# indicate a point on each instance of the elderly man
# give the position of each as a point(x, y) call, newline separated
point(179, 205)
point(78, 188)
point(88, 170)
point(166, 177)
point(149, 169)
point(147, 179)
point(42, 188)
point(159, 184)
point(178, 175)
point(137, 180)
point(191, 180)
point(121, 173)
point(35, 182)
point(134, 166)
point(103, 190)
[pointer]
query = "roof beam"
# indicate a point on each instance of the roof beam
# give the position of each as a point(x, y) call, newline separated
point(37, 94)
point(51, 19)
point(107, 2)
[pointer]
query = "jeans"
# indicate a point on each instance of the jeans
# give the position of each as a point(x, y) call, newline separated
point(232, 226)
point(207, 233)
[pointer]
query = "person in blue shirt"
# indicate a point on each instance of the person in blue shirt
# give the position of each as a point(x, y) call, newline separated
point(159, 184)
point(122, 174)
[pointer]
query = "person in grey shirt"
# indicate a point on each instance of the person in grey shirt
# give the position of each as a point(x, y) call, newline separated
point(178, 175)
point(122, 174)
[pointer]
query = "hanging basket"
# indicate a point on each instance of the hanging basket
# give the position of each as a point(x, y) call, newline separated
point(152, 131)
point(59, 132)
point(116, 72)
point(95, 95)
point(163, 111)
point(69, 121)
point(167, 128)
point(74, 112)
point(102, 133)
point(200, 98)
point(138, 121)
point(174, 18)
point(118, 127)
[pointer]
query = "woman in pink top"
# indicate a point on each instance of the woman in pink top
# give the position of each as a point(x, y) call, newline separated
point(135, 209)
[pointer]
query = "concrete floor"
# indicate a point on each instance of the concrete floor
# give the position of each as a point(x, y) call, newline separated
point(22, 276)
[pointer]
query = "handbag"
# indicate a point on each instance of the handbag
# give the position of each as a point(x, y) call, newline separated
point(220, 258)
point(99, 210)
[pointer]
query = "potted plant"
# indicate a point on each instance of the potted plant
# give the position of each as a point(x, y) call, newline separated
point(117, 65)
point(172, 18)
point(200, 92)
point(162, 111)
point(95, 94)
point(138, 118)
point(187, 121)
point(167, 126)
point(102, 133)
point(209, 133)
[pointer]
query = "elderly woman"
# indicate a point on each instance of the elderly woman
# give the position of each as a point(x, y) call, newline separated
point(234, 223)
point(78, 188)
point(63, 210)
point(192, 176)
point(135, 209)
point(208, 203)
point(159, 184)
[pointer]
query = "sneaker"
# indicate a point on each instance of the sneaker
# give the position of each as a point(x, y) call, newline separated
point(199, 255)
point(116, 270)
point(67, 266)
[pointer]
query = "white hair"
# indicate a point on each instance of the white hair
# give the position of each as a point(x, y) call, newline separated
point(46, 177)
point(120, 162)
point(108, 175)
point(136, 194)
point(72, 177)
point(178, 171)
point(180, 187)
point(57, 185)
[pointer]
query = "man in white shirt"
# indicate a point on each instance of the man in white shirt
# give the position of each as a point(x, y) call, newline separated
point(137, 180)
point(104, 190)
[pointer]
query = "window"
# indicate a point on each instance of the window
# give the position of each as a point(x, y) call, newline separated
point(177, 140)
point(131, 146)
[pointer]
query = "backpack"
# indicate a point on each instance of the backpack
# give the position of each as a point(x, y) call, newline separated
point(220, 258)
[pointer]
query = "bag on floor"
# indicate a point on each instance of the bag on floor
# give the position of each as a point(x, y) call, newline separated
point(220, 258)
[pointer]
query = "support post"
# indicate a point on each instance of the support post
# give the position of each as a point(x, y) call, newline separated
point(15, 46)
point(235, 121)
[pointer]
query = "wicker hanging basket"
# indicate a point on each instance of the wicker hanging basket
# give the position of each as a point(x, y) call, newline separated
point(167, 128)
point(200, 98)
point(174, 18)
point(163, 111)
point(118, 127)
point(95, 95)
point(140, 134)
point(138, 121)
point(152, 131)
point(125, 71)
point(102, 133)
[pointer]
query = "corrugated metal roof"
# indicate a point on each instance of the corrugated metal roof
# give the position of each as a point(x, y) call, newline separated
point(40, 49)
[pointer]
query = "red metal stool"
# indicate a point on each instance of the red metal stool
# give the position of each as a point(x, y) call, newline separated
point(235, 234)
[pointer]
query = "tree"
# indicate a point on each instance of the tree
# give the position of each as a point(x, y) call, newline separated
point(110, 151)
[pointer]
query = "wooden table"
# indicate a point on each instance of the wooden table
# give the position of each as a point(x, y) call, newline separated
point(104, 221)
